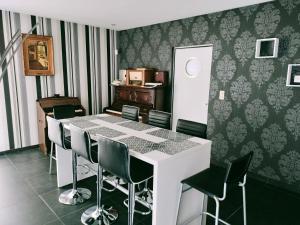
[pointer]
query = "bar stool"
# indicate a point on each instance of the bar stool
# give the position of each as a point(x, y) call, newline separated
point(114, 157)
point(159, 119)
point(130, 112)
point(215, 183)
point(82, 145)
point(75, 195)
point(60, 112)
point(191, 128)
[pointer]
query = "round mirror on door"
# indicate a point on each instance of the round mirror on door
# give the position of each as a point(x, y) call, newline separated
point(192, 67)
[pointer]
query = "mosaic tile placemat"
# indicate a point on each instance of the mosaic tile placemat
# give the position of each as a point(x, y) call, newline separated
point(169, 135)
point(136, 126)
point(106, 132)
point(112, 119)
point(84, 124)
point(172, 147)
point(138, 144)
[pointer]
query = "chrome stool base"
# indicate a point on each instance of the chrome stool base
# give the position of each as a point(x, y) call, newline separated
point(74, 197)
point(104, 216)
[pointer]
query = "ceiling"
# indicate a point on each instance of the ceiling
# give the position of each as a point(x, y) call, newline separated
point(121, 14)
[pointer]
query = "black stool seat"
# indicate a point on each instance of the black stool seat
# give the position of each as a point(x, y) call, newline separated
point(209, 181)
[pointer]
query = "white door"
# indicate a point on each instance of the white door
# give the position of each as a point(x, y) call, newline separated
point(191, 81)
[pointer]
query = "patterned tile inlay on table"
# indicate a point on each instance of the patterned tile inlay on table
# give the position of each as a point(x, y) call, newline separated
point(136, 126)
point(84, 124)
point(106, 132)
point(169, 135)
point(138, 144)
point(173, 147)
point(112, 119)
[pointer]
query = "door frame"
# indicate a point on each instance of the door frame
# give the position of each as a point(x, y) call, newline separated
point(173, 70)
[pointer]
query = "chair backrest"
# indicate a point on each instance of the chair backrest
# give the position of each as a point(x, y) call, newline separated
point(64, 111)
point(238, 168)
point(81, 143)
point(191, 128)
point(159, 119)
point(130, 112)
point(114, 157)
point(55, 131)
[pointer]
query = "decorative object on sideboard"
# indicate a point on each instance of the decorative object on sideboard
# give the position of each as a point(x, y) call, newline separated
point(38, 55)
point(293, 75)
point(139, 76)
point(267, 48)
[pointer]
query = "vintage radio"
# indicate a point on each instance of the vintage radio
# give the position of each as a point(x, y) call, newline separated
point(139, 76)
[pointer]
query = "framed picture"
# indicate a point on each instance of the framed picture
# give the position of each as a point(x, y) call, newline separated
point(267, 48)
point(38, 55)
point(293, 75)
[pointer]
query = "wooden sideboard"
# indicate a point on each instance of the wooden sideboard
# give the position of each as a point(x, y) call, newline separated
point(146, 98)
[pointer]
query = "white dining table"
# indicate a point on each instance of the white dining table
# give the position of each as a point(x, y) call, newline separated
point(174, 157)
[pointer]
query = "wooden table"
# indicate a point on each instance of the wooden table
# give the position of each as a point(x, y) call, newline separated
point(174, 157)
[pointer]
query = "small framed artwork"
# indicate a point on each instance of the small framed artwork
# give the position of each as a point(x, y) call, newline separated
point(267, 48)
point(38, 55)
point(293, 75)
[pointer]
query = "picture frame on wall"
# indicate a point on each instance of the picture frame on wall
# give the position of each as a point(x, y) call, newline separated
point(293, 75)
point(267, 48)
point(38, 55)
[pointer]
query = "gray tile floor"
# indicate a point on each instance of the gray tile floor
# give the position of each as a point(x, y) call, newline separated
point(29, 196)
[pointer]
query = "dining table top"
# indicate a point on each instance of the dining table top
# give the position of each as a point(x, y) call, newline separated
point(144, 141)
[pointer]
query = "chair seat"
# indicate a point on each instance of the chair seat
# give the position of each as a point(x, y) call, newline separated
point(140, 170)
point(209, 181)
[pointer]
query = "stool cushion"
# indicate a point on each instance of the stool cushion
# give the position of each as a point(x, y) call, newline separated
point(140, 170)
point(209, 181)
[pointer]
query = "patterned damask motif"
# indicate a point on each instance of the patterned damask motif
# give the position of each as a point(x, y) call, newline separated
point(269, 172)
point(230, 25)
point(219, 147)
point(210, 125)
point(222, 110)
point(130, 54)
point(267, 20)
point(273, 139)
point(226, 68)
point(244, 47)
point(146, 54)
point(256, 114)
point(261, 71)
point(236, 131)
point(186, 42)
point(199, 30)
point(248, 11)
point(124, 40)
point(138, 38)
point(165, 26)
point(187, 22)
point(164, 53)
point(278, 94)
point(217, 46)
point(155, 36)
point(289, 5)
point(214, 17)
point(257, 154)
point(240, 90)
point(289, 166)
point(292, 120)
point(289, 43)
point(214, 89)
point(175, 33)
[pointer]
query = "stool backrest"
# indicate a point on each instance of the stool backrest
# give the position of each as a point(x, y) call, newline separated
point(114, 157)
point(55, 131)
point(64, 111)
point(130, 112)
point(81, 142)
point(159, 119)
point(238, 168)
point(191, 128)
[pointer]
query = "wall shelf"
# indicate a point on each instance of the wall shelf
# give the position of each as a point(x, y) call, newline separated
point(267, 48)
point(293, 75)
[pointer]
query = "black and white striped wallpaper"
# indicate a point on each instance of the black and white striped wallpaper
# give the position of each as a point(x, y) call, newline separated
point(83, 68)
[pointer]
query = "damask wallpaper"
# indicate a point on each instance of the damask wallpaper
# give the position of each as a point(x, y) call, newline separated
point(259, 112)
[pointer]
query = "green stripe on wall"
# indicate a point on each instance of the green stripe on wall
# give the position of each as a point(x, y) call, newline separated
point(64, 57)
point(6, 91)
point(88, 66)
point(108, 67)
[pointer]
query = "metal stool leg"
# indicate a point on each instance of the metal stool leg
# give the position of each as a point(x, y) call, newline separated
point(244, 204)
point(217, 211)
point(97, 214)
point(51, 158)
point(131, 188)
point(75, 195)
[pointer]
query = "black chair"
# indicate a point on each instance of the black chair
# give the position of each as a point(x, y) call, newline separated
point(159, 119)
point(61, 112)
point(130, 112)
point(83, 146)
point(191, 128)
point(216, 183)
point(75, 195)
point(114, 157)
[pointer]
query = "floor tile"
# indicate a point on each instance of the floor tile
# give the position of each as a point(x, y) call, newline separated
point(25, 155)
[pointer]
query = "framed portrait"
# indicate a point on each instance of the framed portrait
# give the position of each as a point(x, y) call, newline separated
point(38, 55)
